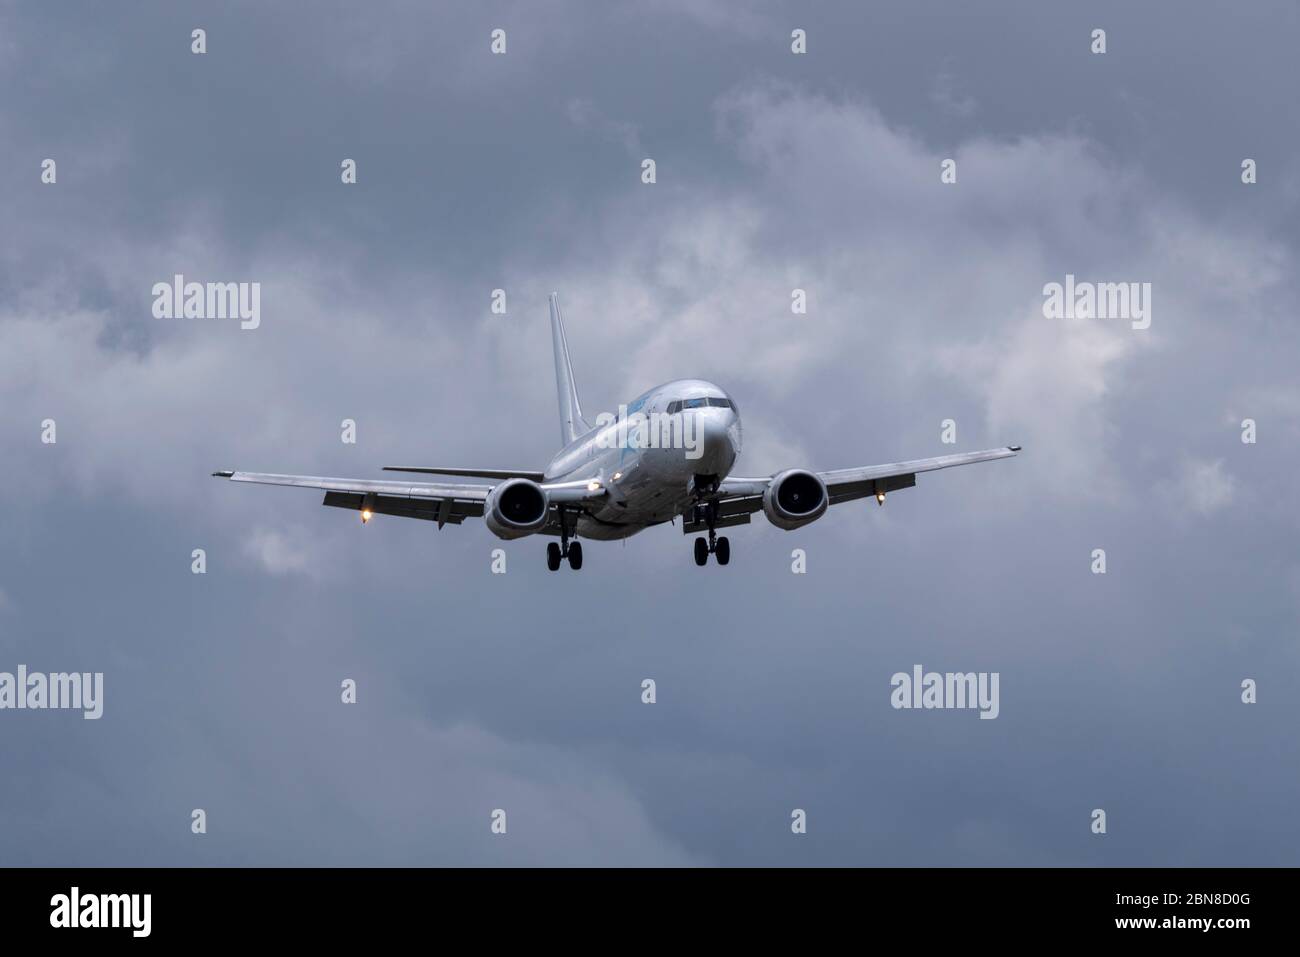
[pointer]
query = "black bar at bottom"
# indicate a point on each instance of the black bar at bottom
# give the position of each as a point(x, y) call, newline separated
point(668, 906)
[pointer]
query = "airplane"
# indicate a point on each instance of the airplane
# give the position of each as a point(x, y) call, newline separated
point(620, 477)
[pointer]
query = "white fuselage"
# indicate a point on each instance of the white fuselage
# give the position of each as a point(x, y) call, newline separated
point(650, 458)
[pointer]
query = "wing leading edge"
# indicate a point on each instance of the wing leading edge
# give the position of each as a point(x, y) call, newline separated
point(470, 473)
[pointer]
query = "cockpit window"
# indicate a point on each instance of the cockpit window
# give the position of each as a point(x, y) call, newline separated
point(715, 402)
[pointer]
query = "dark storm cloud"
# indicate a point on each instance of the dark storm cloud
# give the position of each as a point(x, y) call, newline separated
point(522, 691)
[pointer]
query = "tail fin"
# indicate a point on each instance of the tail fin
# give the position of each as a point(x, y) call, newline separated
point(572, 423)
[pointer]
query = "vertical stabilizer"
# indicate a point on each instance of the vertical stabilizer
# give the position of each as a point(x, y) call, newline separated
point(572, 424)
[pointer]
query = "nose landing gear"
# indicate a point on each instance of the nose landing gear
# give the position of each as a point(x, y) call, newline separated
point(705, 484)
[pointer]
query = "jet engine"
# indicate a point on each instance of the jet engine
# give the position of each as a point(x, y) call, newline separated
point(795, 498)
point(515, 508)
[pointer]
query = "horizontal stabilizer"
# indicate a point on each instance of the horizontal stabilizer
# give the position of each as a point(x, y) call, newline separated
point(475, 473)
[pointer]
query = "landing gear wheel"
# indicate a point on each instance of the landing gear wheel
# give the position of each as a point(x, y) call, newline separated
point(722, 550)
point(553, 556)
point(575, 555)
point(701, 551)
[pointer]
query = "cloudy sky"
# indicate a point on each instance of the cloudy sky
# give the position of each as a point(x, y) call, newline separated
point(522, 171)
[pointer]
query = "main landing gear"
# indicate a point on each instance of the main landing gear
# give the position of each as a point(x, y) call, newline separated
point(720, 548)
point(555, 553)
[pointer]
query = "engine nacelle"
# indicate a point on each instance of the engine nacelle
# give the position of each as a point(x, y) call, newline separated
point(795, 497)
point(515, 508)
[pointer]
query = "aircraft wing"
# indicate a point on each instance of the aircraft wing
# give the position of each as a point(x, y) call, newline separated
point(443, 502)
point(844, 485)
point(738, 498)
point(438, 502)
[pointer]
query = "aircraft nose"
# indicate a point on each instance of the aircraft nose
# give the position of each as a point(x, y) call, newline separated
point(717, 441)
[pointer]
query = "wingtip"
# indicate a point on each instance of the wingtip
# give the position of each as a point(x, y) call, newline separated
point(224, 473)
point(1013, 448)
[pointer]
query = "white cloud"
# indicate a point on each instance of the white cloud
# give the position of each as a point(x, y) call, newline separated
point(1204, 486)
point(916, 287)
point(277, 552)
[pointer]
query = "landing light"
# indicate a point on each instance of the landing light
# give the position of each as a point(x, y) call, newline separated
point(366, 515)
point(593, 486)
point(880, 498)
point(617, 476)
